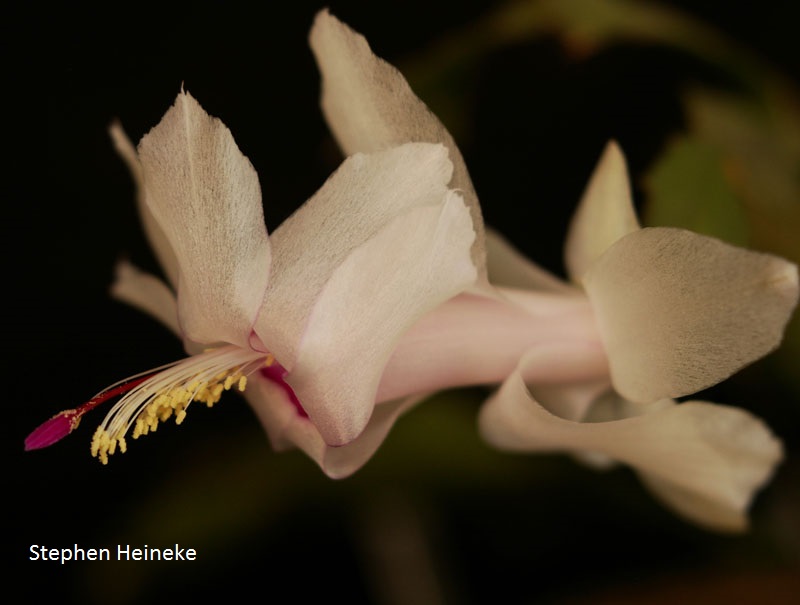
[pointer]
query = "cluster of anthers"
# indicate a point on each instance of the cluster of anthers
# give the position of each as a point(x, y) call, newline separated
point(154, 397)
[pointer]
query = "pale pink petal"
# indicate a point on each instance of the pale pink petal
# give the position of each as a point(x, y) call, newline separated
point(147, 293)
point(718, 454)
point(680, 312)
point(369, 106)
point(508, 267)
point(412, 265)
point(287, 429)
point(155, 235)
point(471, 340)
point(205, 196)
point(604, 215)
point(366, 193)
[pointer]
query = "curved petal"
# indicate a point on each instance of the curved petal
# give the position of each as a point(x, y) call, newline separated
point(205, 196)
point(359, 199)
point(680, 312)
point(155, 235)
point(414, 264)
point(147, 293)
point(287, 429)
point(508, 267)
point(718, 454)
point(369, 106)
point(604, 215)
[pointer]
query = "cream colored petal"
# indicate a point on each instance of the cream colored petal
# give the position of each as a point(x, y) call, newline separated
point(696, 507)
point(366, 193)
point(382, 288)
point(205, 196)
point(147, 293)
point(680, 312)
point(604, 215)
point(369, 106)
point(509, 268)
point(287, 429)
point(718, 454)
point(155, 235)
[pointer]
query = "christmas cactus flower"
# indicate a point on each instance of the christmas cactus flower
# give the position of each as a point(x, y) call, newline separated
point(592, 366)
point(303, 320)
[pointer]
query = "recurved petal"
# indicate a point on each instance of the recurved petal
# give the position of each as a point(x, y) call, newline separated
point(369, 106)
point(147, 293)
point(714, 458)
point(604, 215)
point(412, 265)
point(679, 312)
point(206, 198)
point(287, 429)
point(155, 235)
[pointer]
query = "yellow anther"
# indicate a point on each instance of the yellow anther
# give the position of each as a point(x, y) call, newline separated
point(202, 378)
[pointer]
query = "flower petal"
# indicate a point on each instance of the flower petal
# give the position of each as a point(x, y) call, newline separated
point(369, 106)
point(205, 196)
point(680, 312)
point(473, 339)
point(147, 293)
point(604, 215)
point(412, 265)
point(509, 268)
point(155, 235)
point(287, 429)
point(359, 199)
point(711, 453)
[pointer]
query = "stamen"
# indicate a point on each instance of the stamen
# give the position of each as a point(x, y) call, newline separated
point(202, 377)
point(154, 396)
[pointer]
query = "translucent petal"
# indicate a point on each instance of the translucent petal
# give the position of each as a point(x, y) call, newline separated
point(369, 106)
point(508, 267)
point(206, 198)
point(377, 293)
point(604, 215)
point(710, 453)
point(147, 293)
point(155, 235)
point(680, 312)
point(287, 429)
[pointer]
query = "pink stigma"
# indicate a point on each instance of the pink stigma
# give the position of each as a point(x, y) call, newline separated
point(55, 429)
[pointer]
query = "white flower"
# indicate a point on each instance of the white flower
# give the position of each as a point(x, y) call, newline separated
point(653, 314)
point(303, 320)
point(677, 312)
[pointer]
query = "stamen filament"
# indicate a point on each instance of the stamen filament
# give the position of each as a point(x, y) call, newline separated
point(158, 396)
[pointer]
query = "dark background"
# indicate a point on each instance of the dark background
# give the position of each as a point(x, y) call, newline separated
point(543, 531)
